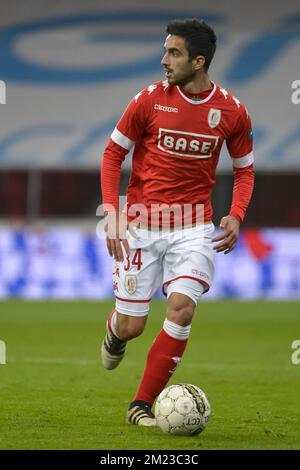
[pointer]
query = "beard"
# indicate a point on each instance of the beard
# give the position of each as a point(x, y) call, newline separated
point(183, 79)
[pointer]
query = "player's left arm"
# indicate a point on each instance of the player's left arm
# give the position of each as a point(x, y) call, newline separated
point(240, 147)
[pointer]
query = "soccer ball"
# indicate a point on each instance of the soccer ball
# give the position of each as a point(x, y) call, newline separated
point(182, 409)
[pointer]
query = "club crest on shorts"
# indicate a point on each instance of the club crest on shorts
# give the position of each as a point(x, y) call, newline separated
point(130, 283)
point(214, 117)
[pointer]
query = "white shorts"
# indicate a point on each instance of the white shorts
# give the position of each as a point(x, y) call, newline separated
point(179, 261)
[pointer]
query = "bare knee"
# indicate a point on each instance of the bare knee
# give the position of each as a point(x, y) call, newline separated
point(129, 327)
point(180, 309)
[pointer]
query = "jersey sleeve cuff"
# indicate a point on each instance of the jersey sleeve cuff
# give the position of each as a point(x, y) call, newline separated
point(237, 213)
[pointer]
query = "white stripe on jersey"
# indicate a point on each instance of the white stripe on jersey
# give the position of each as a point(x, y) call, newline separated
point(242, 162)
point(121, 139)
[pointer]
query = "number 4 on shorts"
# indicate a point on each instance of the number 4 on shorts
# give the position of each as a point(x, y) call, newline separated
point(137, 259)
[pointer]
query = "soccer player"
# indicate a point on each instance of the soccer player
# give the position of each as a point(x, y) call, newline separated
point(177, 127)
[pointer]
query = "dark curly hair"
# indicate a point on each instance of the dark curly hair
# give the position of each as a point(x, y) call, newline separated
point(199, 36)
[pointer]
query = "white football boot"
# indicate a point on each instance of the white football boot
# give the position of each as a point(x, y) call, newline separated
point(139, 413)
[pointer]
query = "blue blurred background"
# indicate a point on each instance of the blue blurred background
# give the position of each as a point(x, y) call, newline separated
point(70, 68)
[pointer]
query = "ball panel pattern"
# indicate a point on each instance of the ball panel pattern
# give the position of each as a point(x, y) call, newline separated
point(182, 409)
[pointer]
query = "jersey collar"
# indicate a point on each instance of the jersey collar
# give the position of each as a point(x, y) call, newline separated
point(189, 100)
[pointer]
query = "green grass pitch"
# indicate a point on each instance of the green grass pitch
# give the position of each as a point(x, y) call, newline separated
point(54, 394)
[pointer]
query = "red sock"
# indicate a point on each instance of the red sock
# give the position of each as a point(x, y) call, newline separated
point(163, 358)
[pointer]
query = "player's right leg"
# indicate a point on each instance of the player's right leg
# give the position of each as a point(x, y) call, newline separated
point(120, 328)
point(135, 280)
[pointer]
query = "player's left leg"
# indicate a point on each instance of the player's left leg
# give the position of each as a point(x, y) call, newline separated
point(188, 273)
point(168, 348)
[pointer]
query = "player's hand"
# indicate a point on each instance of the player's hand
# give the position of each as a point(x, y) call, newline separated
point(230, 235)
point(115, 228)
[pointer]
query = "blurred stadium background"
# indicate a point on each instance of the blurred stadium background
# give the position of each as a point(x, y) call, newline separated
point(70, 68)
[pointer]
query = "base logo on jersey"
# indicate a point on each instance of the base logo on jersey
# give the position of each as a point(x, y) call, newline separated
point(214, 117)
point(187, 144)
point(130, 283)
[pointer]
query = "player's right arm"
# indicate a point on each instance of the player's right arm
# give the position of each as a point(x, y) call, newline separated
point(127, 132)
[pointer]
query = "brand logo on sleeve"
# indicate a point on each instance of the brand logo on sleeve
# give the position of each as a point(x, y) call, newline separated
point(187, 144)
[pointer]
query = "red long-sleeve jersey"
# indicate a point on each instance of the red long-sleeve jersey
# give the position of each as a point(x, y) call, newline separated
point(177, 139)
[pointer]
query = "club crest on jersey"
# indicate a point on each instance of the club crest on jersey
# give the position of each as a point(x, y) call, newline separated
point(214, 117)
point(187, 144)
point(130, 283)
